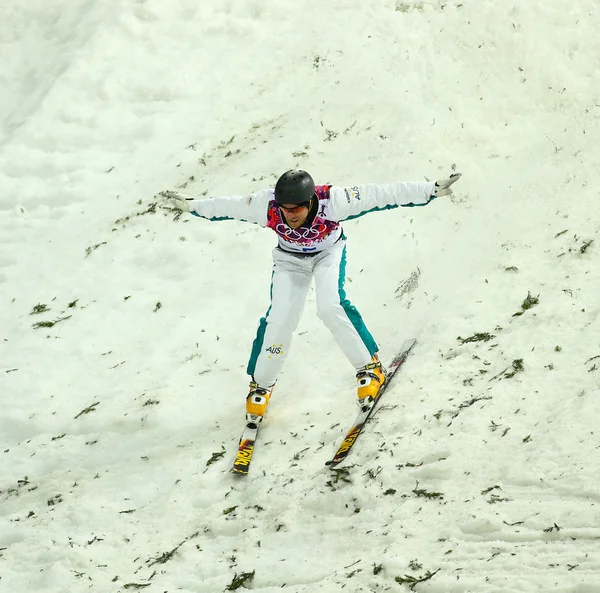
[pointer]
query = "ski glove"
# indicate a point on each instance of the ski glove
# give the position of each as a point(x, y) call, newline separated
point(442, 187)
point(176, 200)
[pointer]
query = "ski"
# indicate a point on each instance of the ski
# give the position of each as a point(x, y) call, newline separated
point(366, 411)
point(241, 465)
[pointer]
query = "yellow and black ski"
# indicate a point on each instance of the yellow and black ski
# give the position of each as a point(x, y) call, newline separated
point(366, 411)
point(241, 465)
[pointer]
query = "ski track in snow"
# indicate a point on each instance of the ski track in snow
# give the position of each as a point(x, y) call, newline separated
point(478, 472)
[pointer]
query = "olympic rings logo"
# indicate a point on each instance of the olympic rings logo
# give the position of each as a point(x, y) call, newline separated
point(309, 234)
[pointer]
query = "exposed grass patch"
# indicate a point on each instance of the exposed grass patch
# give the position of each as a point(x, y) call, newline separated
point(215, 457)
point(87, 410)
point(38, 309)
point(422, 493)
point(517, 367)
point(240, 580)
point(477, 337)
point(340, 474)
point(93, 248)
point(529, 302)
point(41, 324)
point(166, 556)
point(412, 582)
point(150, 210)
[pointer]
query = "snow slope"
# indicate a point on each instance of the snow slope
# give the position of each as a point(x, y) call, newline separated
point(479, 474)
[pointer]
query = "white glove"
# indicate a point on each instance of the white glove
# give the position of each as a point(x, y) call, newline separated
point(442, 186)
point(176, 200)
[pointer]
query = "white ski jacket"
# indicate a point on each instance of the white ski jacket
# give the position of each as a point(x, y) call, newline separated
point(336, 204)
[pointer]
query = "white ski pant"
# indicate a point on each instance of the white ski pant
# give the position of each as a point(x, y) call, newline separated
point(291, 280)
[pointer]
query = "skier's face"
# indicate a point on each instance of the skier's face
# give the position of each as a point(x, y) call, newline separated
point(294, 215)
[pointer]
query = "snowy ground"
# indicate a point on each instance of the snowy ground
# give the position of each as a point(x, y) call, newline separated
point(480, 474)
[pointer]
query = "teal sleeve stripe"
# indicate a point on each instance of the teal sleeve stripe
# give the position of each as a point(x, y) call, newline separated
point(389, 207)
point(352, 311)
point(216, 219)
point(257, 345)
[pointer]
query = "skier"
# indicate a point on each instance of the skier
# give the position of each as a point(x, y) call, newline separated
point(311, 243)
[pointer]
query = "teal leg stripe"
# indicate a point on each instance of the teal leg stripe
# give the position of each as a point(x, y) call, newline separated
point(260, 338)
point(352, 311)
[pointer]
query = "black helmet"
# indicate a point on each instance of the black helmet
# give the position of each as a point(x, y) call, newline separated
point(294, 187)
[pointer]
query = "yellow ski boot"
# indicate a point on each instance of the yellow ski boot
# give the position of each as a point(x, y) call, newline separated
point(370, 379)
point(256, 403)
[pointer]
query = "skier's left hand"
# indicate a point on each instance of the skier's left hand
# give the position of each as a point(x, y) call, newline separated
point(176, 200)
point(442, 186)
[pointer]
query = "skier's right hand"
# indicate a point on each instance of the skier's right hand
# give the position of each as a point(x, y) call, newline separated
point(176, 200)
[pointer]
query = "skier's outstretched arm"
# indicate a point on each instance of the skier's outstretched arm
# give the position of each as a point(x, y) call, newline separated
point(251, 208)
point(352, 202)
